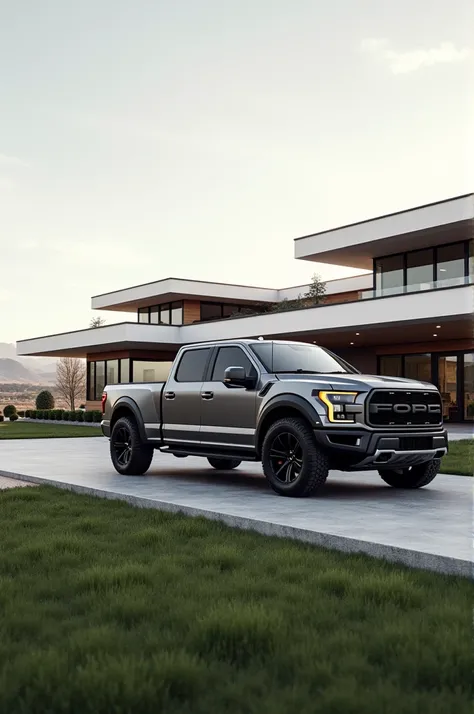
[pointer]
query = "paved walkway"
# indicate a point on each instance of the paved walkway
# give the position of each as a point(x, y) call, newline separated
point(13, 483)
point(428, 528)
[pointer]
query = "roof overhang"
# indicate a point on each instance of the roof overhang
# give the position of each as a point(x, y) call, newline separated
point(418, 312)
point(169, 289)
point(358, 244)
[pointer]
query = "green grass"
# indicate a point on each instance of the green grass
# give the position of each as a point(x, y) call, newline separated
point(460, 458)
point(107, 609)
point(30, 430)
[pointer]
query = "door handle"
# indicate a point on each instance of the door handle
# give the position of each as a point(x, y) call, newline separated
point(170, 395)
point(207, 395)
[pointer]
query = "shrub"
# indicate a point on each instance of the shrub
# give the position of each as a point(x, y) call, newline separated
point(59, 414)
point(1, 417)
point(66, 415)
point(33, 414)
point(96, 416)
point(21, 414)
point(79, 416)
point(28, 414)
point(89, 416)
point(45, 400)
point(14, 417)
point(83, 406)
point(39, 414)
point(46, 414)
point(9, 410)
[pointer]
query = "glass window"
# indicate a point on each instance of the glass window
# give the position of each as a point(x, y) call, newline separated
point(176, 313)
point(112, 371)
point(192, 365)
point(99, 379)
point(228, 310)
point(391, 366)
point(165, 314)
point(146, 371)
point(420, 270)
point(298, 357)
point(471, 260)
point(469, 386)
point(448, 386)
point(450, 267)
point(91, 381)
point(418, 367)
point(389, 275)
point(154, 315)
point(143, 314)
point(124, 371)
point(211, 311)
point(231, 357)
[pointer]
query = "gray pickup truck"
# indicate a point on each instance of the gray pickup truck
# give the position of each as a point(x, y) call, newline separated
point(296, 407)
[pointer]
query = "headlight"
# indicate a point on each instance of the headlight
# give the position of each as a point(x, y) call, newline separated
point(336, 403)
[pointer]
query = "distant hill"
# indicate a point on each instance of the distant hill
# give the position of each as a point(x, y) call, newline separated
point(25, 370)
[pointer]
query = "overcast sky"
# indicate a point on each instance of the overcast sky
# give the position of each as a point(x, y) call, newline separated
point(196, 138)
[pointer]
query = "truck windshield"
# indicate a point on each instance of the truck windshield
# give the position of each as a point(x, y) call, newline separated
point(299, 358)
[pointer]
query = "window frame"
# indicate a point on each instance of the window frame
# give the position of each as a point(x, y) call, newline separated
point(214, 358)
point(175, 371)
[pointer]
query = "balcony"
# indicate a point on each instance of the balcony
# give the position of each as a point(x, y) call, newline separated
point(417, 287)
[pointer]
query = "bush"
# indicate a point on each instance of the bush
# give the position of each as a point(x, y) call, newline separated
point(59, 414)
point(21, 414)
point(45, 414)
point(96, 416)
point(79, 416)
point(39, 414)
point(45, 400)
point(66, 415)
point(83, 406)
point(33, 414)
point(14, 417)
point(89, 416)
point(1, 417)
point(9, 410)
point(28, 414)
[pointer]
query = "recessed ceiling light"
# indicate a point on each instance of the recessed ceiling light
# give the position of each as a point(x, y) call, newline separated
point(438, 327)
point(435, 334)
point(357, 334)
point(352, 343)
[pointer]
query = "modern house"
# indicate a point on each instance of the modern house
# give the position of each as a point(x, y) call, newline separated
point(411, 316)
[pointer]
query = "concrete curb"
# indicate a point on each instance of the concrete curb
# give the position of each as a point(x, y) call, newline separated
point(60, 423)
point(412, 558)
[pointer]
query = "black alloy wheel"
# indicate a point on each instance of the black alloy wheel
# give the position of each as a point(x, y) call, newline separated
point(286, 457)
point(130, 456)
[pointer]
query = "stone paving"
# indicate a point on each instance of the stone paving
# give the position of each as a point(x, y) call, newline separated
point(13, 483)
point(427, 528)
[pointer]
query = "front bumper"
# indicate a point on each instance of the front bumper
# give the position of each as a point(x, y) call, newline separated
point(360, 449)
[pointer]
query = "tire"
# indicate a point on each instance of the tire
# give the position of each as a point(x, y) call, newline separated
point(290, 442)
point(130, 456)
point(412, 477)
point(224, 464)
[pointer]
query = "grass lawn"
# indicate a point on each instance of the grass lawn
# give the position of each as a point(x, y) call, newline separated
point(107, 609)
point(30, 430)
point(460, 458)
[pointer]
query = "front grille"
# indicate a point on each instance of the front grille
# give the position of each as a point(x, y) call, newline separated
point(398, 407)
point(415, 443)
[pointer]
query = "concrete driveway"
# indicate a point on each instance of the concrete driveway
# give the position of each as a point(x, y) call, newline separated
point(428, 528)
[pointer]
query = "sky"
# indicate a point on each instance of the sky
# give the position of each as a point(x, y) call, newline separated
point(197, 138)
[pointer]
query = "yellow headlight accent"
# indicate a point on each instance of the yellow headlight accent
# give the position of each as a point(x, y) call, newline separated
point(324, 397)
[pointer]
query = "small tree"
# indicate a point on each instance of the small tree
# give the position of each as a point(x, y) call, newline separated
point(97, 322)
point(316, 291)
point(9, 411)
point(45, 400)
point(71, 380)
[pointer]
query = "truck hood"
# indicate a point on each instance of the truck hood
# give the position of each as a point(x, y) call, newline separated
point(358, 382)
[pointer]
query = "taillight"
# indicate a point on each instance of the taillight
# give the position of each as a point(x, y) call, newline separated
point(102, 401)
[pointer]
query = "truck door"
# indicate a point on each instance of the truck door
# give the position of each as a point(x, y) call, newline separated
point(182, 398)
point(228, 414)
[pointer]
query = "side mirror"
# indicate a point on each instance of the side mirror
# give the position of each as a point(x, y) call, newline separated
point(235, 375)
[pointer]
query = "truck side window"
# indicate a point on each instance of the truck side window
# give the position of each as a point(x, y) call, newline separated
point(192, 366)
point(231, 357)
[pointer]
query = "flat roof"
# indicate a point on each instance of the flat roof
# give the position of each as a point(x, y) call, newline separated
point(357, 244)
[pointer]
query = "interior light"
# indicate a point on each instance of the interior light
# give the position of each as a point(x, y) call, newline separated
point(352, 343)
point(438, 327)
point(357, 334)
point(435, 334)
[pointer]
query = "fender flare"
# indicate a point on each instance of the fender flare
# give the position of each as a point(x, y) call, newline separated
point(127, 402)
point(292, 401)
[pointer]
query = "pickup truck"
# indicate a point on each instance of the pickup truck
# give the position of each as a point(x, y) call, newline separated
point(294, 406)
